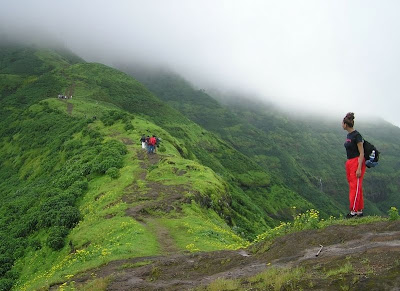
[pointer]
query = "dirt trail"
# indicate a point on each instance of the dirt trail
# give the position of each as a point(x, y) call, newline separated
point(70, 90)
point(153, 197)
point(70, 107)
point(374, 252)
point(69, 93)
point(166, 242)
point(367, 242)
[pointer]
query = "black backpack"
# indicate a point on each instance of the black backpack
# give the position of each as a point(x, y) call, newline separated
point(368, 148)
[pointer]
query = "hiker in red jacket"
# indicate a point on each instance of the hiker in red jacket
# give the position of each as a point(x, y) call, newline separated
point(152, 144)
point(355, 166)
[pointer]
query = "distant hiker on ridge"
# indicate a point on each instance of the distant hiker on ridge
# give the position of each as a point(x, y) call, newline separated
point(158, 141)
point(147, 142)
point(355, 166)
point(151, 144)
point(143, 141)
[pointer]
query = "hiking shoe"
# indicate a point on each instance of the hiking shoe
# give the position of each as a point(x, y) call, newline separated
point(360, 214)
point(351, 215)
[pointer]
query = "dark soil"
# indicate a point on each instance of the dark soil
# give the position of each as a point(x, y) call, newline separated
point(155, 196)
point(372, 249)
point(127, 141)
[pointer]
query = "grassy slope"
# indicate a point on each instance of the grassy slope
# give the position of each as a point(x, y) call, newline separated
point(68, 180)
point(306, 155)
point(195, 143)
point(105, 233)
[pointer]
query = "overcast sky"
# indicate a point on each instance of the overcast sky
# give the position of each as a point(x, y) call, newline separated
point(328, 55)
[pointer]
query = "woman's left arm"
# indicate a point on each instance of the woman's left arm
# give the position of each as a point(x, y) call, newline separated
point(360, 147)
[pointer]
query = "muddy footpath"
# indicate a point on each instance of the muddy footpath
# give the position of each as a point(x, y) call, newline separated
point(373, 250)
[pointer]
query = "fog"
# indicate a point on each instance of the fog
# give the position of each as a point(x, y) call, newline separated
point(330, 56)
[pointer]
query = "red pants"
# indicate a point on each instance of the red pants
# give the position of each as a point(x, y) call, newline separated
point(355, 184)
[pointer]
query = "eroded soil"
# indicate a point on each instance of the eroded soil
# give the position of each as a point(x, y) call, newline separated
point(372, 249)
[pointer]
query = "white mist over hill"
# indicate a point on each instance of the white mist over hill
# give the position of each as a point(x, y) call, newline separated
point(325, 56)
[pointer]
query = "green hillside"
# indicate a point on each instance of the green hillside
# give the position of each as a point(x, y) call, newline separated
point(78, 191)
point(306, 154)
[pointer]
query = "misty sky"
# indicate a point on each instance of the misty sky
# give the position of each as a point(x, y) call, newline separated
point(333, 56)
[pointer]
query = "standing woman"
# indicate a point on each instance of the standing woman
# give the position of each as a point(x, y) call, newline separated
point(355, 166)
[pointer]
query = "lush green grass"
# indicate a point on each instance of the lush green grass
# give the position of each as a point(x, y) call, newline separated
point(200, 230)
point(342, 270)
point(271, 279)
point(104, 233)
point(311, 220)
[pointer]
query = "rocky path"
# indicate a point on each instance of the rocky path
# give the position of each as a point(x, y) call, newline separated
point(69, 92)
point(153, 197)
point(166, 242)
point(368, 247)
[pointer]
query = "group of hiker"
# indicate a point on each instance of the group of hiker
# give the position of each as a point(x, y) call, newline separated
point(60, 96)
point(150, 143)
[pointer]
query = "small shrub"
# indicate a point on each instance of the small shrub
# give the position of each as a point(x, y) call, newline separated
point(68, 216)
point(56, 239)
point(83, 185)
point(162, 149)
point(71, 145)
point(113, 172)
point(6, 284)
point(67, 179)
point(6, 264)
point(393, 213)
point(307, 220)
point(77, 189)
point(112, 116)
point(35, 244)
point(107, 163)
point(128, 126)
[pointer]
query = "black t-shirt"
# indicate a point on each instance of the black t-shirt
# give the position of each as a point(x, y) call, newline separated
point(351, 144)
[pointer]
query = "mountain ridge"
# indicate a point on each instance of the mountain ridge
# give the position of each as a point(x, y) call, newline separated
point(316, 144)
point(79, 192)
point(61, 160)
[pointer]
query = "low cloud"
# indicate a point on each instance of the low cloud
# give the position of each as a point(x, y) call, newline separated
point(328, 56)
